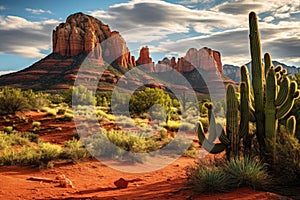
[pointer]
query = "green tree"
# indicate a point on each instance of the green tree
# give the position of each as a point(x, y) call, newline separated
point(142, 100)
point(12, 100)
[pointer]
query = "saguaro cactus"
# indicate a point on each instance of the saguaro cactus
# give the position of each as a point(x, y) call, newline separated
point(274, 94)
point(258, 78)
point(229, 139)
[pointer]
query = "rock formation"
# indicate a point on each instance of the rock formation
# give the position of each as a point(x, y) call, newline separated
point(145, 60)
point(206, 59)
point(84, 34)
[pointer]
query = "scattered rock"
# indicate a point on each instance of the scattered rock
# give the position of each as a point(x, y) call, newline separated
point(121, 183)
point(64, 181)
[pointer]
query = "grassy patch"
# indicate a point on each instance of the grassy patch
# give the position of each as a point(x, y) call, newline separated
point(220, 176)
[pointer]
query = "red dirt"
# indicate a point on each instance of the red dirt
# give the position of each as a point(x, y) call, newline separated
point(94, 180)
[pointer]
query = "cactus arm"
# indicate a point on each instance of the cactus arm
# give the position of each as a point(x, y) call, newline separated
point(245, 112)
point(283, 91)
point(223, 138)
point(232, 121)
point(208, 146)
point(291, 125)
point(283, 110)
point(212, 133)
point(270, 109)
point(268, 62)
point(258, 77)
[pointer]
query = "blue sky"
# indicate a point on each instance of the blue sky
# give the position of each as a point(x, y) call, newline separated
point(168, 27)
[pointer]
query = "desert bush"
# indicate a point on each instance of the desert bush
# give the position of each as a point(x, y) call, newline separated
point(247, 172)
point(14, 139)
point(74, 150)
point(12, 100)
point(35, 100)
point(8, 129)
point(49, 152)
point(51, 112)
point(206, 177)
point(61, 111)
point(172, 125)
point(36, 124)
point(79, 95)
point(117, 144)
point(103, 115)
point(286, 166)
point(55, 99)
point(220, 175)
point(68, 116)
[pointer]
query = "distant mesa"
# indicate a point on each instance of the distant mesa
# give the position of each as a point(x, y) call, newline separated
point(81, 35)
point(206, 59)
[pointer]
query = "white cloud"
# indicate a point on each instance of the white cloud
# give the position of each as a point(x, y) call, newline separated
point(223, 27)
point(137, 15)
point(37, 11)
point(268, 19)
point(195, 1)
point(6, 72)
point(2, 7)
point(25, 38)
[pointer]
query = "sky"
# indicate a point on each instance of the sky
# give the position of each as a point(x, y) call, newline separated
point(167, 27)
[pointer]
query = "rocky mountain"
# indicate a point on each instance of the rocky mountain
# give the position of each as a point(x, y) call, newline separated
point(82, 35)
point(233, 72)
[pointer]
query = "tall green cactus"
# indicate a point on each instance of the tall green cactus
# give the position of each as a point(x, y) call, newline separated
point(272, 95)
point(276, 101)
point(258, 78)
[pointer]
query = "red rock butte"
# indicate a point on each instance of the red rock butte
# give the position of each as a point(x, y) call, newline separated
point(83, 34)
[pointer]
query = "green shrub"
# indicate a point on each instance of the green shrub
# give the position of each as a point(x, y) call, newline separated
point(103, 115)
point(206, 177)
point(141, 101)
point(119, 144)
point(13, 139)
point(23, 156)
point(220, 175)
point(247, 172)
point(51, 112)
point(79, 95)
point(172, 125)
point(74, 150)
point(12, 100)
point(286, 166)
point(68, 116)
point(8, 129)
point(36, 124)
point(49, 152)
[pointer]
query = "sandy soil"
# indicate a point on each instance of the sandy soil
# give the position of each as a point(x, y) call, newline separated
point(93, 180)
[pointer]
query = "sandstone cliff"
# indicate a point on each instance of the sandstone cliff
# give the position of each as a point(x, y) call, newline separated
point(206, 59)
point(83, 34)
